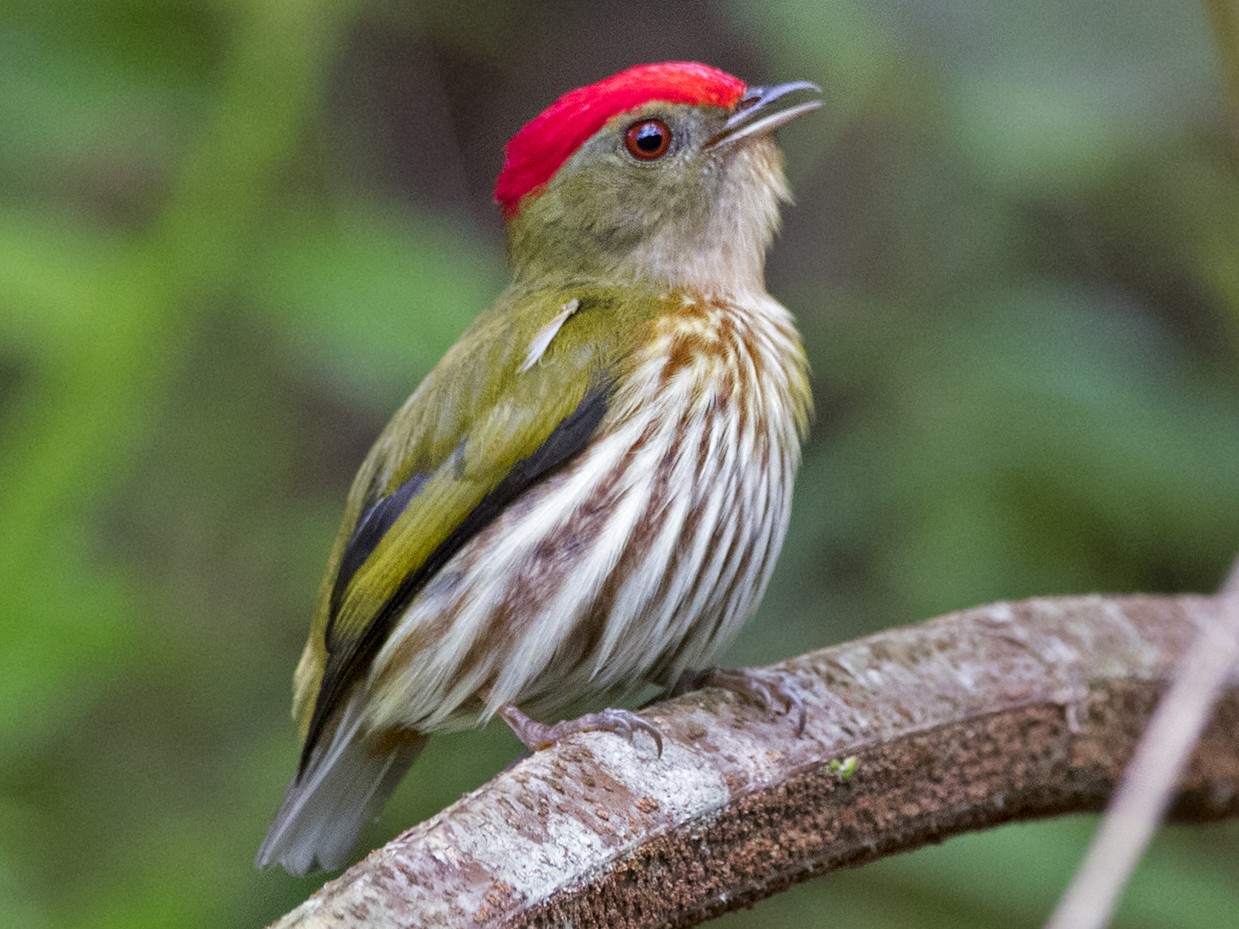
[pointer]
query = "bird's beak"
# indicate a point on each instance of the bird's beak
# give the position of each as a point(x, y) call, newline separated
point(764, 109)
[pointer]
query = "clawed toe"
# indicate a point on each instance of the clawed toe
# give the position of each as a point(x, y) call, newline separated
point(622, 722)
point(537, 736)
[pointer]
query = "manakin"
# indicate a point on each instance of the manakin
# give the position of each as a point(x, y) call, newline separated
point(589, 491)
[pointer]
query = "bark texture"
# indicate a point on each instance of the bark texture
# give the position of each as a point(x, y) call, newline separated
point(1008, 711)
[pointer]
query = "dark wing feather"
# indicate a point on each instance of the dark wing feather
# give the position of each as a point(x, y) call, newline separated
point(371, 528)
point(347, 657)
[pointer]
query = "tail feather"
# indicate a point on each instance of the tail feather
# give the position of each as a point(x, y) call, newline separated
point(343, 786)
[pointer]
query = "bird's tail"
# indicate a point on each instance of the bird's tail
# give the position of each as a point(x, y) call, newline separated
point(342, 787)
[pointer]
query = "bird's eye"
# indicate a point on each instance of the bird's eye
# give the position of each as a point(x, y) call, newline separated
point(647, 139)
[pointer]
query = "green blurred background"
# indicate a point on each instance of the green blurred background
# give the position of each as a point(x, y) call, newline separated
point(234, 235)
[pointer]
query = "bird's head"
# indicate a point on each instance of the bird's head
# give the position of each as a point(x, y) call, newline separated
point(665, 173)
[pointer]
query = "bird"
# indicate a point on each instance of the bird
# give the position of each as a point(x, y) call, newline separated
point(587, 494)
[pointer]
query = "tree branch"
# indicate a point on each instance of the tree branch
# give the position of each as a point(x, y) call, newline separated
point(1004, 712)
point(1155, 768)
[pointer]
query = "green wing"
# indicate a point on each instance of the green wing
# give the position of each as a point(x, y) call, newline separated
point(482, 427)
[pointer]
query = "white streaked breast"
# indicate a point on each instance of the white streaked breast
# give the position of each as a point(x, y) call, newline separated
point(680, 488)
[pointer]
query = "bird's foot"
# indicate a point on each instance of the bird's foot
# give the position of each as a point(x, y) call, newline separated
point(772, 691)
point(538, 735)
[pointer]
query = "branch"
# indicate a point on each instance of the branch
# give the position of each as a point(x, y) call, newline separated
point(1004, 712)
point(1156, 766)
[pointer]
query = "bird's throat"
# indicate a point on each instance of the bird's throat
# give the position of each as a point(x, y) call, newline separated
point(711, 240)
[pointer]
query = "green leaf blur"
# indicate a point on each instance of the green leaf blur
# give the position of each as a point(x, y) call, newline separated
point(234, 235)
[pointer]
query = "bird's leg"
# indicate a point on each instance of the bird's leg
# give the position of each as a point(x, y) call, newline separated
point(538, 735)
point(770, 690)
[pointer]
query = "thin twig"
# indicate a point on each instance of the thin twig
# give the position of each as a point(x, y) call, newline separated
point(1156, 766)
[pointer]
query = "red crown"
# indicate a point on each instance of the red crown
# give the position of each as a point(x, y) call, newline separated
point(547, 141)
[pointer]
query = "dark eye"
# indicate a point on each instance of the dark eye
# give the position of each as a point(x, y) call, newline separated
point(648, 139)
